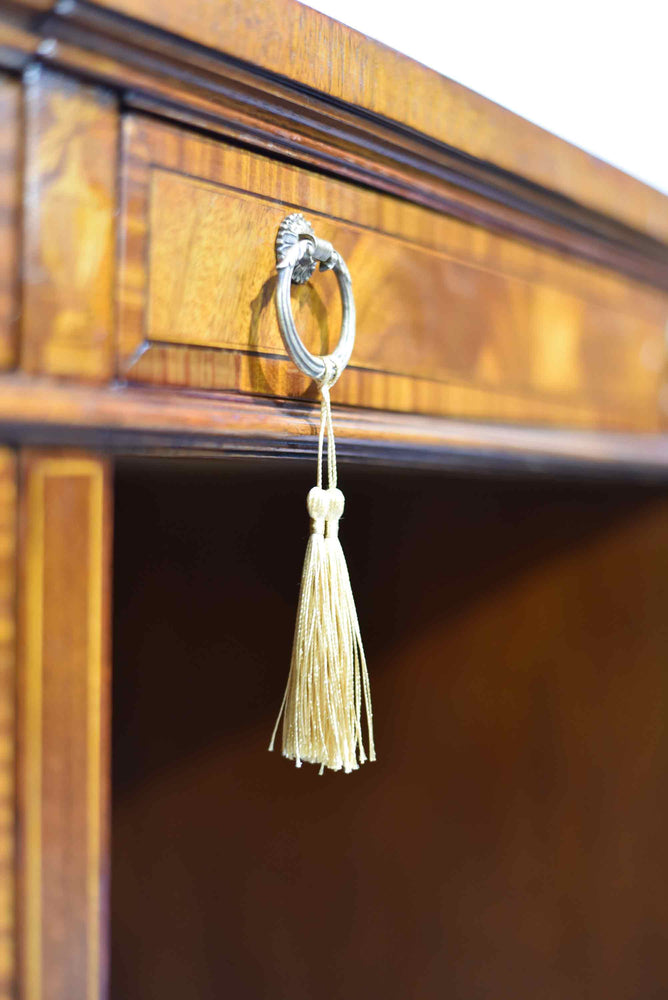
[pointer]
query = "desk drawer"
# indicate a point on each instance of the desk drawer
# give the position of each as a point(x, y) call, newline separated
point(452, 319)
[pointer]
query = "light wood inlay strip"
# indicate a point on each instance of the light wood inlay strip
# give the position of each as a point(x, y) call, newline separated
point(7, 723)
point(33, 741)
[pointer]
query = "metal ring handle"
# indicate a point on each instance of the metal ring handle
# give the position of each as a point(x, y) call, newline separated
point(298, 251)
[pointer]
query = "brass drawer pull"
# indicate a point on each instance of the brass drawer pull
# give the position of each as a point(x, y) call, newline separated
point(298, 251)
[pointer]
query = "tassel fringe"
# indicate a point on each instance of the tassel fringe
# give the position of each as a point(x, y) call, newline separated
point(328, 684)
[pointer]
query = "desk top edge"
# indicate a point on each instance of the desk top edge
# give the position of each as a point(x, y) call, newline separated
point(285, 38)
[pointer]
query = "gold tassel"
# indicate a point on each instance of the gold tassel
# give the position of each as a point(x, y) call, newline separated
point(328, 680)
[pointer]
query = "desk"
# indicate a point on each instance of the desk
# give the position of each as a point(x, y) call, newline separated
point(502, 435)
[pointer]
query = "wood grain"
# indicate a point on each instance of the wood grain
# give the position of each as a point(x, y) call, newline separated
point(68, 243)
point(33, 5)
point(10, 200)
point(8, 530)
point(452, 320)
point(63, 706)
point(510, 838)
point(17, 44)
point(290, 40)
point(162, 74)
point(152, 420)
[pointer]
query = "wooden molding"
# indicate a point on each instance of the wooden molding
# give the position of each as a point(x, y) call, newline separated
point(292, 43)
point(175, 78)
point(129, 419)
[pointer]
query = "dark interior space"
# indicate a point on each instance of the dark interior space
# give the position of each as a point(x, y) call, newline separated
point(509, 841)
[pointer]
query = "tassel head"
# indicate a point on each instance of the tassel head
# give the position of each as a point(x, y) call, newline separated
point(317, 505)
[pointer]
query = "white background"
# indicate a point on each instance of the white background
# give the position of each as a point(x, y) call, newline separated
point(593, 72)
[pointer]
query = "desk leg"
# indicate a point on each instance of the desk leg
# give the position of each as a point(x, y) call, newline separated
point(63, 724)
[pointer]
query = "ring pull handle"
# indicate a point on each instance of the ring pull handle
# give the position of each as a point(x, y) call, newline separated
point(298, 252)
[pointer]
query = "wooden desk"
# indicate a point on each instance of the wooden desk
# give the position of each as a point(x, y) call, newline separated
point(502, 431)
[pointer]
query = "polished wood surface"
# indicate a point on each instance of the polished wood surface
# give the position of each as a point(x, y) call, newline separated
point(17, 46)
point(293, 41)
point(68, 239)
point(63, 725)
point(510, 840)
point(172, 79)
point(512, 299)
point(10, 201)
point(450, 321)
point(150, 420)
point(8, 755)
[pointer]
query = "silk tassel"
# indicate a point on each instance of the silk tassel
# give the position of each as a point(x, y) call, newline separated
point(327, 701)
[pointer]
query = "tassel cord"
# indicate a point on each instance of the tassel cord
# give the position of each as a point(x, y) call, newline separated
point(326, 425)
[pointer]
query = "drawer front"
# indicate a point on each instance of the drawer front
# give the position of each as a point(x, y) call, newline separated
point(452, 320)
